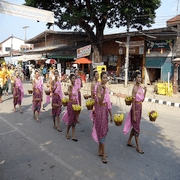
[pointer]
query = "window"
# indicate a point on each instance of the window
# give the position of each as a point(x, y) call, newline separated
point(7, 49)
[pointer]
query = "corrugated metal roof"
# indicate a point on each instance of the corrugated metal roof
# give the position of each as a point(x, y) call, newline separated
point(47, 48)
point(174, 21)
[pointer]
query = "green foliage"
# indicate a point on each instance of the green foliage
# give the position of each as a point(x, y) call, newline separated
point(90, 14)
point(93, 16)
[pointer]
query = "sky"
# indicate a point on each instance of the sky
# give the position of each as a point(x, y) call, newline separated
point(12, 25)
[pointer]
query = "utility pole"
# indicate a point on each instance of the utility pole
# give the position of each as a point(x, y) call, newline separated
point(11, 47)
point(25, 27)
point(127, 55)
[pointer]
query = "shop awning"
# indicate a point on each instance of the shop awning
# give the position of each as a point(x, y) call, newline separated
point(47, 48)
point(176, 60)
point(155, 62)
point(28, 57)
point(62, 56)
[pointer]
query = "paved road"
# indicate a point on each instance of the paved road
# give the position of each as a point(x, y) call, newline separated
point(35, 151)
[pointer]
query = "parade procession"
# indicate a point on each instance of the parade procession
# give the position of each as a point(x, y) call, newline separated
point(89, 90)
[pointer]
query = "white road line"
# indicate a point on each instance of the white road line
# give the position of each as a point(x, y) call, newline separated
point(7, 132)
point(77, 173)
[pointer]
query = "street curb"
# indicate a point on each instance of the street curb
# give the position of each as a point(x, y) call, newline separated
point(168, 103)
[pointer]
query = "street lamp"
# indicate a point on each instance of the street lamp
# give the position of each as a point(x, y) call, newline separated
point(25, 27)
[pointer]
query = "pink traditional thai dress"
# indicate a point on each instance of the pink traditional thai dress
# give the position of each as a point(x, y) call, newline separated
point(69, 117)
point(48, 98)
point(95, 99)
point(78, 84)
point(100, 128)
point(57, 99)
point(18, 92)
point(139, 97)
point(37, 95)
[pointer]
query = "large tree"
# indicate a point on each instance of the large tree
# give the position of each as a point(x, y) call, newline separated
point(93, 16)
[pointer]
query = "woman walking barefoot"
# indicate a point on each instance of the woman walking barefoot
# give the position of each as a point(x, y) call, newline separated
point(78, 86)
point(134, 116)
point(18, 92)
point(56, 91)
point(102, 109)
point(69, 116)
point(37, 86)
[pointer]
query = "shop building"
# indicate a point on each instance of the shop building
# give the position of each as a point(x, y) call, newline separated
point(174, 24)
point(114, 54)
point(150, 51)
point(159, 54)
point(61, 46)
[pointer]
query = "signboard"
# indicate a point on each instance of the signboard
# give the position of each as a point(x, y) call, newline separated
point(84, 51)
point(134, 43)
point(26, 12)
point(161, 44)
point(141, 50)
point(132, 50)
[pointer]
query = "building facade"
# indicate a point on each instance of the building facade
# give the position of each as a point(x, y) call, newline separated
point(13, 45)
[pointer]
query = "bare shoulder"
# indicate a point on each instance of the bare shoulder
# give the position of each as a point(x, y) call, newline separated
point(135, 89)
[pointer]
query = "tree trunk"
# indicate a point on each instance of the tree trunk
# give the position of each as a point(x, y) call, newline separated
point(97, 55)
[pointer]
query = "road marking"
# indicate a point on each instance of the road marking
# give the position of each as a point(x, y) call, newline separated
point(77, 173)
point(156, 135)
point(7, 132)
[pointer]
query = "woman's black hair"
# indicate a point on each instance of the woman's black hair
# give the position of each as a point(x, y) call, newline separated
point(36, 71)
point(56, 71)
point(137, 72)
point(71, 75)
point(75, 70)
point(94, 73)
point(103, 74)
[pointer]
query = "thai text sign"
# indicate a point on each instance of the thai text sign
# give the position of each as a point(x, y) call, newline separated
point(26, 12)
point(161, 44)
point(84, 51)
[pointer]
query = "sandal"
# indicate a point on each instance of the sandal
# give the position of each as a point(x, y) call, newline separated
point(74, 139)
point(140, 151)
point(104, 160)
point(59, 130)
point(67, 137)
point(101, 155)
point(131, 145)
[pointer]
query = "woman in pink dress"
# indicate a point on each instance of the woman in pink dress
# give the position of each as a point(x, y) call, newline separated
point(134, 117)
point(69, 116)
point(78, 86)
point(37, 86)
point(94, 85)
point(56, 100)
point(18, 92)
point(102, 109)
